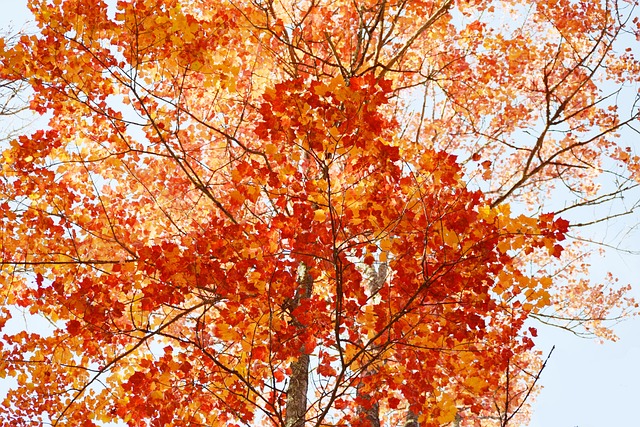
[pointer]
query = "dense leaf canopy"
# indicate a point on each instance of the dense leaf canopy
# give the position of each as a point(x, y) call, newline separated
point(292, 213)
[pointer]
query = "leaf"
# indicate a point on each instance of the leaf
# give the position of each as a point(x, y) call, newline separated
point(319, 215)
point(386, 244)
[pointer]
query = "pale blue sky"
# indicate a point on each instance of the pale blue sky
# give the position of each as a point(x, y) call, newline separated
point(585, 384)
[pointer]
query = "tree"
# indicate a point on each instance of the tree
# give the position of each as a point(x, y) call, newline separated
point(306, 213)
point(12, 104)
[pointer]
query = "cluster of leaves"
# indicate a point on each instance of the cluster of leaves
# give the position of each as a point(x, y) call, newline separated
point(239, 214)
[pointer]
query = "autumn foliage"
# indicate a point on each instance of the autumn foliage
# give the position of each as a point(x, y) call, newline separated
point(305, 213)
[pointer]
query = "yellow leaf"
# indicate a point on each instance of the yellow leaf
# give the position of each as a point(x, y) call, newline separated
point(386, 244)
point(271, 149)
point(546, 281)
point(475, 383)
point(450, 238)
point(8, 158)
point(518, 242)
point(504, 246)
point(322, 184)
point(237, 196)
point(505, 209)
point(319, 215)
point(486, 213)
point(448, 410)
point(236, 176)
point(335, 134)
point(545, 300)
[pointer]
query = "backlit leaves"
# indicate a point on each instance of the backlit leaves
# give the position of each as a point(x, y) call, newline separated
point(224, 189)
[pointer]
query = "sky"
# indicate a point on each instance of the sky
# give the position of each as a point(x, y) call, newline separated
point(586, 384)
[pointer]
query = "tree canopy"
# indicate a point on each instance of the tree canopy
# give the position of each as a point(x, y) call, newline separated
point(307, 213)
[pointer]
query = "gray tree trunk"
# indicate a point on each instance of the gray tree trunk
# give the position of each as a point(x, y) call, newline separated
point(411, 420)
point(297, 392)
point(296, 407)
point(376, 281)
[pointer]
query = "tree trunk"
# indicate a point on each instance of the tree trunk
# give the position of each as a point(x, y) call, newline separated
point(376, 281)
point(297, 392)
point(299, 380)
point(411, 420)
point(371, 414)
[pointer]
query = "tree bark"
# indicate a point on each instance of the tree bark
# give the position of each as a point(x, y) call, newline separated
point(296, 407)
point(371, 414)
point(297, 392)
point(411, 420)
point(376, 281)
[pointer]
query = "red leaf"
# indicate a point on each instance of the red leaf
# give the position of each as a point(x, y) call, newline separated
point(74, 327)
